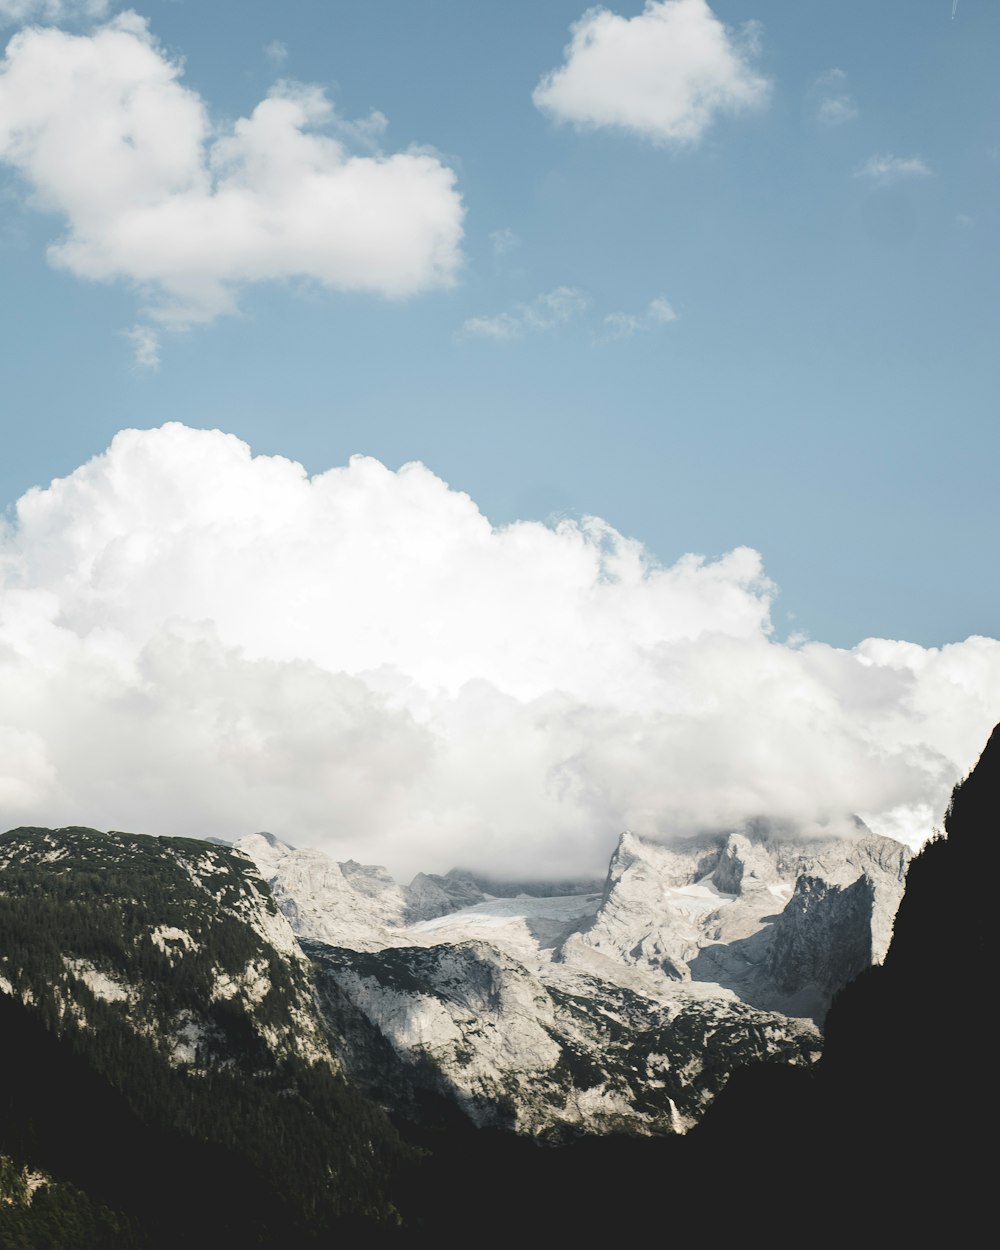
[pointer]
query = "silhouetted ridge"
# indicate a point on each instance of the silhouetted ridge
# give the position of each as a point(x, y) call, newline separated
point(906, 1089)
point(974, 803)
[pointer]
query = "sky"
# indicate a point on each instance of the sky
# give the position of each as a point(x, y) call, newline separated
point(447, 432)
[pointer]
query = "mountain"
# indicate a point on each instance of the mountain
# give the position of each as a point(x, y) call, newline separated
point(619, 1010)
point(884, 1140)
point(178, 1066)
point(162, 1052)
point(903, 1099)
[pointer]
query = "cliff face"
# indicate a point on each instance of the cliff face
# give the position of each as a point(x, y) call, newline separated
point(783, 923)
point(552, 1055)
point(620, 1010)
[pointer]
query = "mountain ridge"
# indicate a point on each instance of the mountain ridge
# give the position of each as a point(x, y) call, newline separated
point(682, 981)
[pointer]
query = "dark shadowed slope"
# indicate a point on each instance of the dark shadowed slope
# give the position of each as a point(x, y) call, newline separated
point(887, 1137)
point(901, 1106)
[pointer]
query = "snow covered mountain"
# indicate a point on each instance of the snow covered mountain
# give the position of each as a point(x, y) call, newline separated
point(624, 1009)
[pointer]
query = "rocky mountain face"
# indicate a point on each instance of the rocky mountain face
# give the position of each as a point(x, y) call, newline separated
point(549, 1056)
point(619, 1010)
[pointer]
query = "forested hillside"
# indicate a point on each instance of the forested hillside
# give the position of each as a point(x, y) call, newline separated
point(163, 1078)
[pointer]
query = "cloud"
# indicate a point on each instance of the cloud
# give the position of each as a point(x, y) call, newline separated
point(665, 74)
point(885, 168)
point(545, 312)
point(276, 52)
point(836, 104)
point(145, 342)
point(105, 134)
point(504, 327)
point(560, 306)
point(620, 325)
point(195, 641)
point(834, 110)
point(18, 12)
point(504, 242)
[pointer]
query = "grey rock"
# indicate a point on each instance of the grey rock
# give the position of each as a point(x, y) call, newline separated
point(620, 1009)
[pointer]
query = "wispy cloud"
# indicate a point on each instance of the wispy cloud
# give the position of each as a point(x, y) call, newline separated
point(504, 242)
point(276, 52)
point(836, 104)
point(145, 342)
point(545, 312)
point(565, 304)
point(885, 168)
point(17, 12)
point(621, 325)
point(665, 74)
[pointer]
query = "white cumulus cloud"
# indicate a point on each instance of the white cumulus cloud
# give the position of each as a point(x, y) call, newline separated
point(665, 74)
point(105, 134)
point(197, 641)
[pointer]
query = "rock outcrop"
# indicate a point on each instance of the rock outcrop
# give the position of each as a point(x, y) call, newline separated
point(624, 1009)
point(553, 1056)
point(782, 923)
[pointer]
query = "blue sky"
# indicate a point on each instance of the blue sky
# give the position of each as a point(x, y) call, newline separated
point(827, 393)
point(725, 278)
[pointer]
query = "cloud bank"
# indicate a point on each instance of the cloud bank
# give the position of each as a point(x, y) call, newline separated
point(106, 136)
point(196, 641)
point(665, 74)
